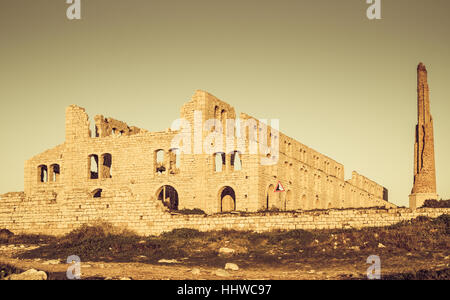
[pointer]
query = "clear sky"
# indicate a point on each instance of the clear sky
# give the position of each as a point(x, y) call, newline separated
point(338, 82)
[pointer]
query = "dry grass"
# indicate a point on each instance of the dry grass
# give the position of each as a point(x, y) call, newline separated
point(424, 237)
point(437, 204)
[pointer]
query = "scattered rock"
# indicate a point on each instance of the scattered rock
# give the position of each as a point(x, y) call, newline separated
point(380, 245)
point(355, 248)
point(168, 261)
point(125, 278)
point(224, 250)
point(221, 273)
point(86, 266)
point(231, 266)
point(311, 271)
point(51, 262)
point(30, 274)
point(142, 242)
point(195, 271)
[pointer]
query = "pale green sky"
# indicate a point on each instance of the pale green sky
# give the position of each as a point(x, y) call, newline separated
point(339, 83)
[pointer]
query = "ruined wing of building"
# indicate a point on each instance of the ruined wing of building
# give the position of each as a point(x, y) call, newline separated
point(129, 176)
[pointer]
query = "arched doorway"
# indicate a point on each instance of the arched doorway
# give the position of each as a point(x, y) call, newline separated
point(169, 196)
point(227, 198)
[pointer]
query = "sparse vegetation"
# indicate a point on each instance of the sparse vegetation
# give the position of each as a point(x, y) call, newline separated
point(103, 242)
point(194, 211)
point(437, 203)
point(7, 237)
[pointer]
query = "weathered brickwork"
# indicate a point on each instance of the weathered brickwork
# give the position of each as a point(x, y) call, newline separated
point(131, 176)
point(424, 187)
point(21, 214)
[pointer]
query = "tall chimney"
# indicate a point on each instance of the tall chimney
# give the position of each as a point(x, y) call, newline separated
point(424, 187)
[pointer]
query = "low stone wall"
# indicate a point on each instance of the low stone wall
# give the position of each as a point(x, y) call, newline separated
point(45, 215)
point(308, 220)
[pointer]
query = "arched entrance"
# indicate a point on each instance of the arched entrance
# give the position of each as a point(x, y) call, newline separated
point(169, 196)
point(227, 198)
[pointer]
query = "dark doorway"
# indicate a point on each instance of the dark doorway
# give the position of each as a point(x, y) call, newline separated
point(169, 197)
point(227, 199)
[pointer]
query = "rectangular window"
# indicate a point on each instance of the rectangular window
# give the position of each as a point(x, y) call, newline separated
point(93, 166)
point(219, 161)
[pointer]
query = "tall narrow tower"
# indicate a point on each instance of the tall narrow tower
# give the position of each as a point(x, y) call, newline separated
point(424, 187)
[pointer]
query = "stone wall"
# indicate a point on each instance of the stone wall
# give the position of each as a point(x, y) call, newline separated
point(46, 215)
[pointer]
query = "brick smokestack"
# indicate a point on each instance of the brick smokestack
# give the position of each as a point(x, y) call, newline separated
point(424, 187)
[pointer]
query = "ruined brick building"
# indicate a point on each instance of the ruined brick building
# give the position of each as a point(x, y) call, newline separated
point(126, 174)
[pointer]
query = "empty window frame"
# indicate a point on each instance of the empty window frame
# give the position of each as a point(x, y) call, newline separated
point(236, 161)
point(106, 165)
point(219, 161)
point(159, 161)
point(54, 172)
point(93, 166)
point(42, 173)
point(174, 157)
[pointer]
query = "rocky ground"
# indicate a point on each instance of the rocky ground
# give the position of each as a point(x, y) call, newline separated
point(418, 249)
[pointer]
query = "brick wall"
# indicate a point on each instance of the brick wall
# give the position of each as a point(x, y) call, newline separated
point(45, 215)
